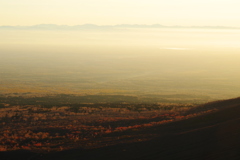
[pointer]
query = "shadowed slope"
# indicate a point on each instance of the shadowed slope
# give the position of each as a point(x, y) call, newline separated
point(211, 136)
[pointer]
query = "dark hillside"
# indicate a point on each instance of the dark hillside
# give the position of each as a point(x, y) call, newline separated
point(213, 136)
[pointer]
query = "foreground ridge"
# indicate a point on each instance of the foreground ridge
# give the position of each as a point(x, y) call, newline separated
point(215, 135)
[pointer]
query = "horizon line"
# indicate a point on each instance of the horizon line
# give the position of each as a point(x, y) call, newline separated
point(89, 25)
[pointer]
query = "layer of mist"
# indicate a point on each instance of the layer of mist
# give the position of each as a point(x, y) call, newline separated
point(126, 61)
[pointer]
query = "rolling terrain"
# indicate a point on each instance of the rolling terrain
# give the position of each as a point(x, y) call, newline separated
point(214, 135)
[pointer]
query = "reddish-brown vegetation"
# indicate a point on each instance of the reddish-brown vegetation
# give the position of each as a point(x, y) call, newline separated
point(51, 129)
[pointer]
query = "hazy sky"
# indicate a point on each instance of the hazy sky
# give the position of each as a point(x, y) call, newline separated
point(105, 12)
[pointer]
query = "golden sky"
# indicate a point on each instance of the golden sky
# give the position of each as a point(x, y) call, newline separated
point(111, 12)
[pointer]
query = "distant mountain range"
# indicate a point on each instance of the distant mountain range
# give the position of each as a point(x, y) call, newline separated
point(104, 27)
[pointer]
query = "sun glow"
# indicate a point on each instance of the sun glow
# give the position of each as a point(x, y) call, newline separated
point(73, 12)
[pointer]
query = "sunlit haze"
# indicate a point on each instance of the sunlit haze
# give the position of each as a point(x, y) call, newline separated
point(75, 12)
point(121, 61)
point(193, 50)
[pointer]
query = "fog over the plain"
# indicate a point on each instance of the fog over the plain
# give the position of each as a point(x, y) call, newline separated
point(123, 61)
